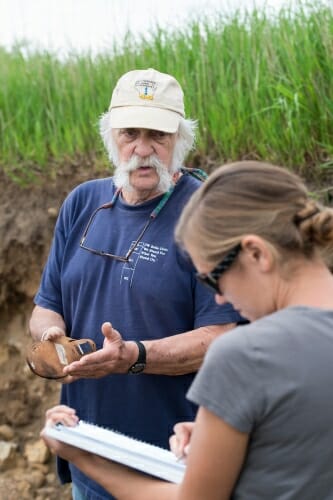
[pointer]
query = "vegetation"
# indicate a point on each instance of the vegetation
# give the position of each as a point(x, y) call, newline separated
point(261, 86)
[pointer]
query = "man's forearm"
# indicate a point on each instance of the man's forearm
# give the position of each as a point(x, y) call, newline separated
point(175, 355)
point(42, 319)
point(183, 353)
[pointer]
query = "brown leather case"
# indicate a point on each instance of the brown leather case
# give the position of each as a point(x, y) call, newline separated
point(48, 358)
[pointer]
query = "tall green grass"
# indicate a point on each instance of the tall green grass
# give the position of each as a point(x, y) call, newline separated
point(260, 85)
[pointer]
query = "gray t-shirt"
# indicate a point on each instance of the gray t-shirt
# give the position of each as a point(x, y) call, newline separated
point(274, 379)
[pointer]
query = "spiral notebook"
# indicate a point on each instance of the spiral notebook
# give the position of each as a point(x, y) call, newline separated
point(120, 448)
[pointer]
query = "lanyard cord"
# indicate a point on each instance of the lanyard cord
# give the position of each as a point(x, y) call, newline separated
point(198, 173)
point(153, 215)
point(194, 172)
point(156, 210)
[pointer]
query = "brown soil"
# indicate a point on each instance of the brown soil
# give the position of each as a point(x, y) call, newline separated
point(28, 215)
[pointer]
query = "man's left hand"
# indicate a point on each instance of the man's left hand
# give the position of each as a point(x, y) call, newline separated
point(116, 356)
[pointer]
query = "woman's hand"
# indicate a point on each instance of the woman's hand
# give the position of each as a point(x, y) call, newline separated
point(61, 414)
point(66, 416)
point(180, 440)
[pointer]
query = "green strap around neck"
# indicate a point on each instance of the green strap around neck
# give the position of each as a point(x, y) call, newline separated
point(198, 173)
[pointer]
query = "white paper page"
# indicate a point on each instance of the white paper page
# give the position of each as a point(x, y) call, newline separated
point(142, 456)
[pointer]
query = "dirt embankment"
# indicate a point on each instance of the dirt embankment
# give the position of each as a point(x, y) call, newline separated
point(28, 215)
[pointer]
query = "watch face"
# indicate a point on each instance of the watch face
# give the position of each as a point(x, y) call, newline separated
point(137, 368)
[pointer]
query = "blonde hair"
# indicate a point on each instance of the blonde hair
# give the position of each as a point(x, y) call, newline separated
point(251, 197)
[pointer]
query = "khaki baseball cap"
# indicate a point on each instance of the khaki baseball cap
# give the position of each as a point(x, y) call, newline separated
point(147, 99)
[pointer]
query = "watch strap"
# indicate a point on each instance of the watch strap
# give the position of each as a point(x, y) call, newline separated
point(140, 363)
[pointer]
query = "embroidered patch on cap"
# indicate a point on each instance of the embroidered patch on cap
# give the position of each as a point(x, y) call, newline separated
point(146, 89)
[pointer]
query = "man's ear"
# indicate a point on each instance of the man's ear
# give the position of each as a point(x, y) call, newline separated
point(258, 251)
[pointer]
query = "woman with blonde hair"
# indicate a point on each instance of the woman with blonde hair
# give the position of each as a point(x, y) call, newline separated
point(264, 425)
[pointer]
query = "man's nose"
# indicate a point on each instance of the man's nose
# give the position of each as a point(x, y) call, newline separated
point(144, 146)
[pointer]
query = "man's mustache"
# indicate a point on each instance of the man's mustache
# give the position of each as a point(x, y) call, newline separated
point(136, 162)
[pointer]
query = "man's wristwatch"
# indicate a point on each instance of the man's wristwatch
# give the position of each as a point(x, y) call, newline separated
point(140, 363)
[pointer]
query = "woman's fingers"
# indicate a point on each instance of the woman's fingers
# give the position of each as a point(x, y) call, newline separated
point(180, 440)
point(61, 414)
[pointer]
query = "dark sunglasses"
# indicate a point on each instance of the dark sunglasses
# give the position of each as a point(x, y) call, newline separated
point(211, 280)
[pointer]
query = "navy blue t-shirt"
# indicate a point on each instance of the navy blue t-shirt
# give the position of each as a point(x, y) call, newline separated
point(152, 296)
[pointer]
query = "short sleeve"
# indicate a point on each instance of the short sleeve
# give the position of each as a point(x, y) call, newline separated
point(227, 383)
point(49, 293)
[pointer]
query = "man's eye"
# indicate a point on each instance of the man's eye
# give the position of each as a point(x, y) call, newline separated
point(129, 132)
point(158, 134)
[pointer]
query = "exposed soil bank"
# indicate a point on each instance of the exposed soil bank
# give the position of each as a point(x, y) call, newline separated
point(28, 215)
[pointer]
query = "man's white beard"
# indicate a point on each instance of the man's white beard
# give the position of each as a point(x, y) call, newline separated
point(123, 170)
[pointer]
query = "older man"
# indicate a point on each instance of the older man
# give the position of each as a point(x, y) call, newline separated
point(113, 259)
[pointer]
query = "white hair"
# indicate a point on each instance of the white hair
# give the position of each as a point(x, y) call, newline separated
point(184, 143)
